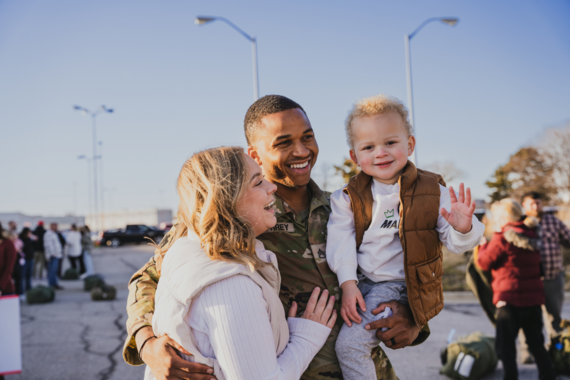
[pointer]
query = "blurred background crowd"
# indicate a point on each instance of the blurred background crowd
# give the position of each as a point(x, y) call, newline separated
point(38, 254)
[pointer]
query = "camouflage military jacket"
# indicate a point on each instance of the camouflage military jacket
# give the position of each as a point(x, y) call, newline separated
point(300, 247)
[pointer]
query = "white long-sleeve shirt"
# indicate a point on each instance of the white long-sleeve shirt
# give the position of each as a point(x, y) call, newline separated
point(229, 321)
point(73, 243)
point(381, 257)
point(52, 245)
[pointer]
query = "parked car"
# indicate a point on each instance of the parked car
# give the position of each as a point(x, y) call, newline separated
point(165, 226)
point(133, 233)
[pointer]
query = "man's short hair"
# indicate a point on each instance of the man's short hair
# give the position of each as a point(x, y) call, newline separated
point(262, 107)
point(376, 105)
point(532, 195)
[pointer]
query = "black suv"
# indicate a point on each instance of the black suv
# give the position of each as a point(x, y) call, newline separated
point(133, 233)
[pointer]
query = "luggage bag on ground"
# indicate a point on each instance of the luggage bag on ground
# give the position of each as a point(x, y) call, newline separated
point(104, 293)
point(93, 281)
point(40, 294)
point(560, 350)
point(470, 357)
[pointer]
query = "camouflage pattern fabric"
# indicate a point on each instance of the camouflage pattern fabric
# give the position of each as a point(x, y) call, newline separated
point(140, 304)
point(300, 246)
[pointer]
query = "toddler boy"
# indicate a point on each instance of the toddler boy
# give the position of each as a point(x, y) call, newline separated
point(386, 230)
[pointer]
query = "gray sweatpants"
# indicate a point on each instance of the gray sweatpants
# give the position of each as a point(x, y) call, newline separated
point(355, 343)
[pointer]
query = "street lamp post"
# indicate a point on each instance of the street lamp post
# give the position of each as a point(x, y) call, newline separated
point(100, 157)
point(93, 115)
point(88, 161)
point(201, 20)
point(451, 21)
point(110, 196)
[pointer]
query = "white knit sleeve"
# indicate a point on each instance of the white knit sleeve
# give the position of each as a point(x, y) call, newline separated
point(341, 238)
point(233, 311)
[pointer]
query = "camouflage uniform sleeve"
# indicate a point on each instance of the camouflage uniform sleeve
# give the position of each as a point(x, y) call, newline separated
point(422, 336)
point(140, 308)
point(140, 304)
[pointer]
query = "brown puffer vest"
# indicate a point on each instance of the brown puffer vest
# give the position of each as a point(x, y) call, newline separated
point(419, 198)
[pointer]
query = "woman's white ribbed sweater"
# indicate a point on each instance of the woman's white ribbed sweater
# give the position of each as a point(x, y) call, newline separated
point(230, 323)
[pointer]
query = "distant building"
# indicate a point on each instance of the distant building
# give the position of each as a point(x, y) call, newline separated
point(109, 220)
point(22, 220)
point(119, 219)
point(480, 208)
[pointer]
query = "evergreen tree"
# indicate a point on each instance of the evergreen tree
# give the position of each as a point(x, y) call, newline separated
point(500, 185)
point(347, 170)
point(527, 170)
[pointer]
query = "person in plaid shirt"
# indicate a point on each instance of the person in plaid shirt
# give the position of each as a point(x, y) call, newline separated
point(554, 233)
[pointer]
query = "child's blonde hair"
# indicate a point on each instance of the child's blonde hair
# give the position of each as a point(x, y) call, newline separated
point(512, 211)
point(375, 105)
point(210, 185)
point(509, 208)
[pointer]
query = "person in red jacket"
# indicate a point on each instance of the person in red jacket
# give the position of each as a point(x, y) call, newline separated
point(8, 256)
point(513, 258)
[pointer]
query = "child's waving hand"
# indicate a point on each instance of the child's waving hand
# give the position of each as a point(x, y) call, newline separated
point(350, 297)
point(461, 215)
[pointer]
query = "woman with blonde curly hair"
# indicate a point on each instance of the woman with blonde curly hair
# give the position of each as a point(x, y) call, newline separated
point(518, 293)
point(218, 295)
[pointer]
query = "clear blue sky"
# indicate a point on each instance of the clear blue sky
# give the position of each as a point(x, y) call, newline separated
point(482, 89)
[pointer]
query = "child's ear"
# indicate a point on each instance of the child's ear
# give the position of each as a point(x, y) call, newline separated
point(353, 157)
point(253, 154)
point(411, 144)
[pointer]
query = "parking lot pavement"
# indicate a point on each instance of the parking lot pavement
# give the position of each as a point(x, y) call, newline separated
point(76, 338)
point(465, 316)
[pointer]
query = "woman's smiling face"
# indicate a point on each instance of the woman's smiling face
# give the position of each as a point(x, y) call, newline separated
point(256, 205)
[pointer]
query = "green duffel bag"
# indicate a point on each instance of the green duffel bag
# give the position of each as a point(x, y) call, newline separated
point(93, 281)
point(470, 357)
point(103, 293)
point(560, 350)
point(40, 294)
point(71, 274)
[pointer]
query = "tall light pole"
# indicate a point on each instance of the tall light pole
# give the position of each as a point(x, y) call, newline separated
point(88, 161)
point(201, 20)
point(451, 21)
point(100, 157)
point(110, 196)
point(93, 115)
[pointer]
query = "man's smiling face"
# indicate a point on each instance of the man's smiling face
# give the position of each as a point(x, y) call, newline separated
point(285, 147)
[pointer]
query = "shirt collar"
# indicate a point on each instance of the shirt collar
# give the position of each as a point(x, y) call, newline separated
point(318, 198)
point(379, 188)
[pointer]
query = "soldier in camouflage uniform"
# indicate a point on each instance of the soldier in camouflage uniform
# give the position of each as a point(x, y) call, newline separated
point(298, 239)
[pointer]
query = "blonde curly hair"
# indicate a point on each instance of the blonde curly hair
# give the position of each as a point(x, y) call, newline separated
point(512, 211)
point(375, 105)
point(210, 184)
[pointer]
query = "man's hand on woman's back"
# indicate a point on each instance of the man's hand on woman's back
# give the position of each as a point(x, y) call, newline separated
point(163, 360)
